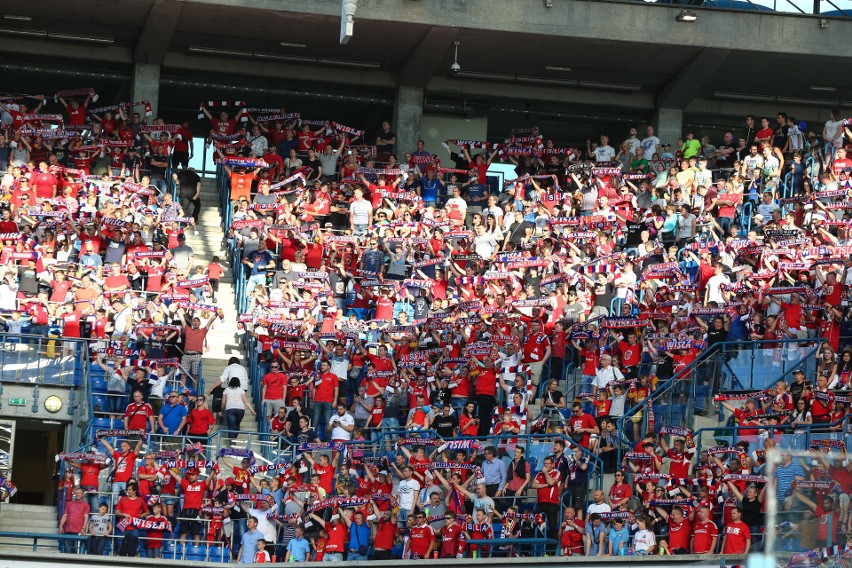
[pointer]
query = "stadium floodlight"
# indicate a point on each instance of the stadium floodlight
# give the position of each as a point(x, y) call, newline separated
point(81, 38)
point(687, 16)
point(347, 20)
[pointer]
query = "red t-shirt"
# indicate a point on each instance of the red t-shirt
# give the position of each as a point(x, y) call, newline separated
point(486, 383)
point(193, 493)
point(631, 355)
point(385, 533)
point(89, 473)
point(736, 535)
point(702, 536)
point(138, 414)
point(679, 533)
point(274, 383)
point(420, 539)
point(549, 494)
point(133, 507)
point(584, 421)
point(326, 474)
point(324, 390)
point(123, 466)
point(336, 537)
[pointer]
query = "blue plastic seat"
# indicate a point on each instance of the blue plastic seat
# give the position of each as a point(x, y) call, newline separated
point(196, 552)
point(220, 554)
point(101, 424)
point(100, 403)
point(175, 552)
point(98, 384)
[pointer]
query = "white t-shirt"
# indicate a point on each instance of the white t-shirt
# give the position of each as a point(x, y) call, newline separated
point(233, 399)
point(634, 144)
point(604, 153)
point(650, 144)
point(595, 508)
point(408, 490)
point(157, 384)
point(458, 203)
point(714, 292)
point(338, 433)
point(264, 525)
point(795, 136)
point(644, 540)
point(361, 211)
point(238, 371)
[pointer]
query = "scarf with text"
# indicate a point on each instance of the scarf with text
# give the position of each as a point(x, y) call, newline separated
point(85, 92)
point(82, 457)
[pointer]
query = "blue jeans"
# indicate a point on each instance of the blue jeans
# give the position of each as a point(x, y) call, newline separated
point(233, 417)
point(333, 557)
point(353, 555)
point(255, 280)
point(321, 416)
point(117, 488)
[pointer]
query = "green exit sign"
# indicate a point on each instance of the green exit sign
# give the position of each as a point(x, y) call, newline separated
point(17, 401)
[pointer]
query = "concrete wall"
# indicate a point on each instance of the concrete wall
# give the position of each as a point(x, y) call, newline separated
point(38, 560)
point(436, 128)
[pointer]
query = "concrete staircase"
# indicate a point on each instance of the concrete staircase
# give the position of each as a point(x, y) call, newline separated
point(222, 339)
point(27, 519)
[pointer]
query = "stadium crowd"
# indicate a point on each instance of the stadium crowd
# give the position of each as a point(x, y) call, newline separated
point(414, 323)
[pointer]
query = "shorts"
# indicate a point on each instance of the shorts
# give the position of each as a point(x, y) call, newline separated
point(189, 523)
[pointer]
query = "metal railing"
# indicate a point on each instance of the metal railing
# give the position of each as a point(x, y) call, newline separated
point(726, 366)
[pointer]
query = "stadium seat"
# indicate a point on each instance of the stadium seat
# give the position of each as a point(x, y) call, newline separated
point(101, 424)
point(196, 552)
point(100, 403)
point(98, 384)
point(220, 554)
point(175, 551)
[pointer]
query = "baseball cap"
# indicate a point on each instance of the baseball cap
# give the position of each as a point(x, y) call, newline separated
point(230, 481)
point(383, 472)
point(798, 372)
point(181, 237)
point(192, 471)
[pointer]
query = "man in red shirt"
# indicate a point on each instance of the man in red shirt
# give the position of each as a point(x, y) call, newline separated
point(274, 389)
point(546, 484)
point(223, 124)
point(737, 539)
point(841, 162)
point(680, 530)
point(573, 530)
point(421, 540)
point(485, 393)
point(680, 457)
point(705, 534)
point(581, 426)
point(139, 415)
point(124, 461)
point(537, 351)
point(76, 112)
point(337, 530)
point(324, 469)
point(452, 537)
point(194, 342)
point(193, 499)
point(326, 388)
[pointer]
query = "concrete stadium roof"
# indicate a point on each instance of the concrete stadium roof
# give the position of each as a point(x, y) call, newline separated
point(630, 56)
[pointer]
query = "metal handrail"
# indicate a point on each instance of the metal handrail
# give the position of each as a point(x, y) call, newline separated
point(667, 387)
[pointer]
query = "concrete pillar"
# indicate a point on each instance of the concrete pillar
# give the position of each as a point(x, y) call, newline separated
point(146, 86)
point(668, 125)
point(407, 115)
